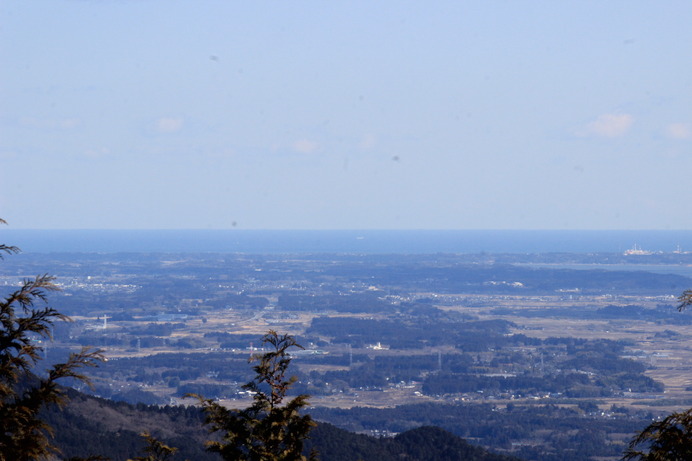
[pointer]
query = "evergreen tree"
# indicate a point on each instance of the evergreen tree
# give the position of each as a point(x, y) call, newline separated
point(671, 438)
point(685, 300)
point(155, 450)
point(268, 430)
point(23, 434)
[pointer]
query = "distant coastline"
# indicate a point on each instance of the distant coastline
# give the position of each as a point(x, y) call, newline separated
point(345, 241)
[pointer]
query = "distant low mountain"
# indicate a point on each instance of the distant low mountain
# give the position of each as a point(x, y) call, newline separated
point(421, 444)
point(92, 426)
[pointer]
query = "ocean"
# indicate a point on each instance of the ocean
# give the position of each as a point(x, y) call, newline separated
point(344, 241)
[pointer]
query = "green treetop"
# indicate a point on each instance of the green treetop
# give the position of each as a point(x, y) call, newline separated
point(270, 429)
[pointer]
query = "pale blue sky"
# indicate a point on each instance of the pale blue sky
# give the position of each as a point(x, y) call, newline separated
point(346, 115)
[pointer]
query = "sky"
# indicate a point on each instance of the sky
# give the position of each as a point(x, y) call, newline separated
point(167, 114)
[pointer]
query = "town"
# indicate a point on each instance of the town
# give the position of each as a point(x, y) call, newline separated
point(497, 333)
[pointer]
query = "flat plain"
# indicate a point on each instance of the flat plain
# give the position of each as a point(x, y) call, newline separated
point(496, 333)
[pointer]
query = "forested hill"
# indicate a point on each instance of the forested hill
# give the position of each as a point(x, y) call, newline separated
point(422, 444)
point(90, 426)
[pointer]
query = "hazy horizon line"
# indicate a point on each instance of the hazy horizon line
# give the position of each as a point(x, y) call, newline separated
point(196, 229)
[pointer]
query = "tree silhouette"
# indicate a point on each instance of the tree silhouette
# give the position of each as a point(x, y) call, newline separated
point(685, 300)
point(671, 438)
point(155, 450)
point(23, 394)
point(268, 430)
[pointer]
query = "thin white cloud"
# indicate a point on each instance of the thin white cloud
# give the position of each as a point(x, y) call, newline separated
point(679, 131)
point(51, 124)
point(367, 142)
point(305, 146)
point(97, 152)
point(608, 125)
point(223, 153)
point(169, 124)
point(69, 123)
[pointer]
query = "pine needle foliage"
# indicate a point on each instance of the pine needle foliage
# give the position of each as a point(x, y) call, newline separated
point(155, 450)
point(25, 318)
point(270, 429)
point(667, 440)
point(685, 300)
point(671, 438)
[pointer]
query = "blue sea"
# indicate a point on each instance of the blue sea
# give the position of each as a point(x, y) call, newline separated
point(343, 241)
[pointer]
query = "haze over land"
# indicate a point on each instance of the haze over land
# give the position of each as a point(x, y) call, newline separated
point(519, 353)
point(196, 173)
point(354, 115)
